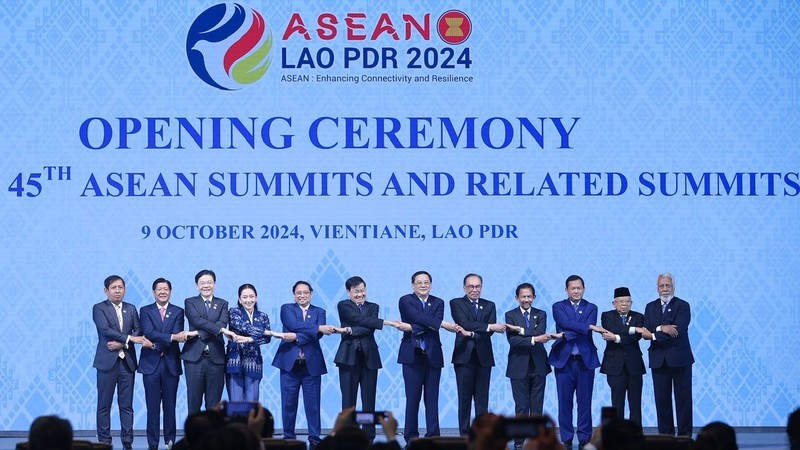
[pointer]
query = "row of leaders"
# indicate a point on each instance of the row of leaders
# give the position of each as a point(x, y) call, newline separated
point(211, 364)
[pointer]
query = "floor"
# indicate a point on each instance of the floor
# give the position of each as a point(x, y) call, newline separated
point(748, 438)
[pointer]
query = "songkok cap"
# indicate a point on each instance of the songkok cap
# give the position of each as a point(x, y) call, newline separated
point(622, 292)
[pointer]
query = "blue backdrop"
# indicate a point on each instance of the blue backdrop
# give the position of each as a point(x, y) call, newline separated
point(692, 107)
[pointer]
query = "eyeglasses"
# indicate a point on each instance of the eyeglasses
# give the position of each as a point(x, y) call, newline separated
point(302, 292)
point(358, 291)
point(205, 283)
point(422, 283)
point(473, 287)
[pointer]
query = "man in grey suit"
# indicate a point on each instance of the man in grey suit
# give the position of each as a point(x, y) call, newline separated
point(117, 326)
point(527, 359)
point(204, 358)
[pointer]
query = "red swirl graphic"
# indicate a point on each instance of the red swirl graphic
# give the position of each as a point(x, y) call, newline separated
point(245, 43)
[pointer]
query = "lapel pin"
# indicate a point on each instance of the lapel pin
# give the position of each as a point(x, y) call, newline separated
point(534, 317)
point(480, 307)
point(580, 312)
point(669, 310)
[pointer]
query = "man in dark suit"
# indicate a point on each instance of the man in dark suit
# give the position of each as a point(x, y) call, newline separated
point(204, 358)
point(671, 359)
point(160, 366)
point(117, 326)
point(527, 368)
point(473, 357)
point(300, 359)
point(622, 358)
point(358, 357)
point(575, 359)
point(421, 354)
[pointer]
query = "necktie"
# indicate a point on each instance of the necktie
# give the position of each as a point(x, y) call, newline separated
point(624, 319)
point(360, 308)
point(527, 317)
point(208, 306)
point(119, 316)
point(575, 350)
point(422, 339)
point(475, 307)
point(121, 353)
point(162, 311)
point(302, 354)
point(663, 307)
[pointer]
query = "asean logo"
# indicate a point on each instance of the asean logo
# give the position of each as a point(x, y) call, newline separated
point(454, 27)
point(228, 46)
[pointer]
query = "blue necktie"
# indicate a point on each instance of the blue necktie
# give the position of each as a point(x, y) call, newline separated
point(663, 307)
point(360, 308)
point(422, 339)
point(624, 319)
point(475, 307)
point(208, 306)
point(527, 317)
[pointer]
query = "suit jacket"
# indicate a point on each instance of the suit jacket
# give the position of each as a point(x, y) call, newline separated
point(308, 337)
point(208, 324)
point(108, 329)
point(575, 326)
point(425, 325)
point(627, 353)
point(464, 314)
point(521, 351)
point(363, 324)
point(677, 351)
point(159, 332)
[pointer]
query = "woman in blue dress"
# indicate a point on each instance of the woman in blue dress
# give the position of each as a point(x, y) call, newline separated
point(248, 329)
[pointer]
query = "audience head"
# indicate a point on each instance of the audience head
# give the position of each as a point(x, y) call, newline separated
point(793, 429)
point(233, 436)
point(486, 433)
point(268, 430)
point(50, 433)
point(350, 437)
point(716, 436)
point(621, 433)
point(198, 424)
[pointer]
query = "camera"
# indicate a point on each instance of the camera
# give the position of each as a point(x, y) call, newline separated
point(368, 417)
point(238, 411)
point(523, 427)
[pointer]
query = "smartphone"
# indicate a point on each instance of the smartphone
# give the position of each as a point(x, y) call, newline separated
point(238, 411)
point(368, 417)
point(523, 427)
point(607, 413)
